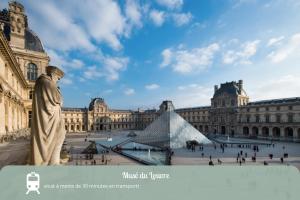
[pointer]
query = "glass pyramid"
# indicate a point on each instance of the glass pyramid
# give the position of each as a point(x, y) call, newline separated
point(170, 130)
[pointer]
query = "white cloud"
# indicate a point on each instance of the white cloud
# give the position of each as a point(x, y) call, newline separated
point(76, 64)
point(289, 49)
point(110, 68)
point(192, 95)
point(56, 28)
point(133, 14)
point(275, 41)
point(152, 86)
point(187, 61)
point(171, 4)
point(167, 57)
point(103, 20)
point(63, 61)
point(67, 26)
point(181, 19)
point(242, 56)
point(113, 65)
point(229, 57)
point(158, 17)
point(282, 87)
point(71, 25)
point(92, 73)
point(129, 91)
point(66, 81)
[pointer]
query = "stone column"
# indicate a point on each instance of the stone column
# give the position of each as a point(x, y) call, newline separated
point(259, 131)
point(295, 133)
point(282, 132)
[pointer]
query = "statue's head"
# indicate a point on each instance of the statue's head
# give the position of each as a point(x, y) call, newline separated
point(54, 72)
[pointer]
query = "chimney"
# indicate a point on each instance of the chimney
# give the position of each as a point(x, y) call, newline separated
point(216, 88)
point(240, 85)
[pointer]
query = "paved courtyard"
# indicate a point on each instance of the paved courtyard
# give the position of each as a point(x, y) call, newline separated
point(184, 156)
point(79, 142)
point(15, 153)
point(229, 156)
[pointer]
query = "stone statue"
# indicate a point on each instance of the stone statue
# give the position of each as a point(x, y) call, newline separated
point(47, 125)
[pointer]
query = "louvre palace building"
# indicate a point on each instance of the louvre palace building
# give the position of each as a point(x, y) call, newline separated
point(23, 59)
point(230, 113)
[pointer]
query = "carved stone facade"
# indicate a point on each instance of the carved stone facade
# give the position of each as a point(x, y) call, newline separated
point(232, 114)
point(99, 117)
point(22, 60)
point(13, 92)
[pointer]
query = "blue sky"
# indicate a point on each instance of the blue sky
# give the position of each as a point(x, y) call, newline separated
point(138, 53)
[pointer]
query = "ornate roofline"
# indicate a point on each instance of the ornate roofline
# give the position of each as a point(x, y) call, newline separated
point(193, 108)
point(274, 101)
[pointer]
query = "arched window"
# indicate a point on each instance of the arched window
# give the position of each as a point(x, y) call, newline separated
point(32, 72)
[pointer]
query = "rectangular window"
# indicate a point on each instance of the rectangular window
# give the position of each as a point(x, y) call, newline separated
point(278, 118)
point(257, 119)
point(6, 71)
point(278, 108)
point(290, 118)
point(29, 118)
point(30, 94)
point(267, 118)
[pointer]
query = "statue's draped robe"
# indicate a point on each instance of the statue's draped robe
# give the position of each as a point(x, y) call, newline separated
point(47, 126)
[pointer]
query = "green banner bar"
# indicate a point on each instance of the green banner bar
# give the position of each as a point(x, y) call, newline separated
point(150, 182)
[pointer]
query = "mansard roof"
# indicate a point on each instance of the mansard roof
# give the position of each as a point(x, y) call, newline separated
point(275, 101)
point(96, 101)
point(32, 41)
point(230, 88)
point(74, 109)
point(193, 108)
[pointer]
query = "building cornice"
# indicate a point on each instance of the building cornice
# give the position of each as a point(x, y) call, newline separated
point(30, 54)
point(10, 56)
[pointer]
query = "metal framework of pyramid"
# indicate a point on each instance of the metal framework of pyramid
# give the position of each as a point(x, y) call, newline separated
point(170, 130)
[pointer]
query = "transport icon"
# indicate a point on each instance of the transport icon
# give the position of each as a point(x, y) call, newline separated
point(33, 182)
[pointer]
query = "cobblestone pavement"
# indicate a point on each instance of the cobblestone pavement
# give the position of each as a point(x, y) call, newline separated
point(14, 153)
